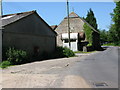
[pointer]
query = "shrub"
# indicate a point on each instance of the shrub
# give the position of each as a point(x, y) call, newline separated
point(16, 56)
point(68, 53)
point(63, 52)
point(5, 64)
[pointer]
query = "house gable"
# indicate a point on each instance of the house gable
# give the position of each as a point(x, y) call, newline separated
point(30, 24)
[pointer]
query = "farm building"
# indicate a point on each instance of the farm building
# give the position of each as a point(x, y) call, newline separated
point(77, 34)
point(28, 31)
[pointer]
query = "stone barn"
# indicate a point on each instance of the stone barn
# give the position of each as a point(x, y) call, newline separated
point(77, 34)
point(28, 31)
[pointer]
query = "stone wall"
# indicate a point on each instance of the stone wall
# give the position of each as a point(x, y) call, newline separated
point(76, 26)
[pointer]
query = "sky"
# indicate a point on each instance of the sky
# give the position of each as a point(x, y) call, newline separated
point(54, 12)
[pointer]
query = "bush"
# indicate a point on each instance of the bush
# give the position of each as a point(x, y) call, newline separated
point(68, 53)
point(63, 52)
point(5, 64)
point(16, 56)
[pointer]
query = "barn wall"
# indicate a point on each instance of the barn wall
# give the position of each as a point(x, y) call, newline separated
point(29, 42)
point(29, 33)
point(76, 26)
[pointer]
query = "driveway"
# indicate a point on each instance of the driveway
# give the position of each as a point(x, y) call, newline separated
point(96, 70)
point(55, 73)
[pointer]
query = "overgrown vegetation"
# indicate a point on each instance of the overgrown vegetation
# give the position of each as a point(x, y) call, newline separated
point(88, 33)
point(115, 27)
point(15, 57)
point(63, 52)
point(68, 53)
point(112, 37)
point(92, 36)
point(5, 64)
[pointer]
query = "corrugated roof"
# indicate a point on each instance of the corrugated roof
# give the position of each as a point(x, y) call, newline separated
point(10, 18)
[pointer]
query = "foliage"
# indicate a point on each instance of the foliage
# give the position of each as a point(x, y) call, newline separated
point(16, 56)
point(5, 64)
point(84, 52)
point(68, 53)
point(63, 52)
point(115, 28)
point(104, 36)
point(92, 36)
point(110, 44)
point(91, 19)
point(88, 33)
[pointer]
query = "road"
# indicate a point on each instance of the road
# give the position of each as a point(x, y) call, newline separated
point(101, 69)
point(96, 70)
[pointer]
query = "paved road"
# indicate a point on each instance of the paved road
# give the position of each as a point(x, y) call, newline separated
point(100, 67)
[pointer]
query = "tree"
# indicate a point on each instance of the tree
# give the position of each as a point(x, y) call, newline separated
point(104, 36)
point(95, 35)
point(115, 28)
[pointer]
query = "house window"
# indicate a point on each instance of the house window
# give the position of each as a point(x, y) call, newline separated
point(71, 40)
point(66, 41)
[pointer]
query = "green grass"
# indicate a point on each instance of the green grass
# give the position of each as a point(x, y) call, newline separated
point(83, 52)
point(5, 64)
point(110, 44)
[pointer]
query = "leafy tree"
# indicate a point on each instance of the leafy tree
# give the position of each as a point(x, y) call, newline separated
point(104, 36)
point(115, 28)
point(95, 37)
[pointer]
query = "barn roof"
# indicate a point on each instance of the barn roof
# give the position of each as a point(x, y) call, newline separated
point(74, 15)
point(10, 18)
point(53, 27)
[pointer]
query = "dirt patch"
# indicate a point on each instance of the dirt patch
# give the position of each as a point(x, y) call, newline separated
point(74, 82)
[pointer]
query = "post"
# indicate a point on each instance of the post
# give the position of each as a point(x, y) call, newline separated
point(0, 31)
point(68, 25)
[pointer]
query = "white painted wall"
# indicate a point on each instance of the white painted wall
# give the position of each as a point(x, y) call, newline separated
point(74, 46)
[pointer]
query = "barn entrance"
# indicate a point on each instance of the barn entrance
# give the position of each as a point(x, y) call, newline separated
point(73, 41)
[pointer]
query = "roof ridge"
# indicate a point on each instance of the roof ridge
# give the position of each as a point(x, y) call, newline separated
point(19, 13)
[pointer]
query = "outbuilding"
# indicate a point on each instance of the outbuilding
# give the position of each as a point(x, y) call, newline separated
point(28, 31)
point(77, 34)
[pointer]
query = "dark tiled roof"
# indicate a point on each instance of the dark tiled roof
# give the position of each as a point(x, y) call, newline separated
point(53, 27)
point(10, 18)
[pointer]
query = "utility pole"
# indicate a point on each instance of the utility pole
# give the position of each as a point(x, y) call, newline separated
point(68, 25)
point(1, 30)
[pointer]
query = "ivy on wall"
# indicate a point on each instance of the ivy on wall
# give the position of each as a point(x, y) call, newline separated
point(88, 33)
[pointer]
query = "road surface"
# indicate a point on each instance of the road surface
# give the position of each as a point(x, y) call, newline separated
point(101, 69)
point(96, 70)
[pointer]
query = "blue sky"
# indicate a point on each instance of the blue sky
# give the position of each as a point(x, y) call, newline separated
point(54, 12)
